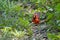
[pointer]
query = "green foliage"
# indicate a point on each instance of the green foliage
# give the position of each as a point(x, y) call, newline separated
point(14, 18)
point(57, 7)
point(53, 36)
point(18, 34)
point(50, 16)
point(24, 22)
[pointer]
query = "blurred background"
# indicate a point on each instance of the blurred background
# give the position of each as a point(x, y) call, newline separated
point(16, 18)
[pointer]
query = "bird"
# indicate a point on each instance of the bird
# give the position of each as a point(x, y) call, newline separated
point(36, 19)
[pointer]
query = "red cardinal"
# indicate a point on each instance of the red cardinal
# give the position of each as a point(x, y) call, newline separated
point(36, 19)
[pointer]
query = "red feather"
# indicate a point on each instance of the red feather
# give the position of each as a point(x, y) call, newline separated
point(36, 19)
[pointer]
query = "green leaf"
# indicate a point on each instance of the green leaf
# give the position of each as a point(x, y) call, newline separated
point(57, 7)
point(50, 16)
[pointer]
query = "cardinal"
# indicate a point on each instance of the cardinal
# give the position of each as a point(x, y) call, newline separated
point(36, 19)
